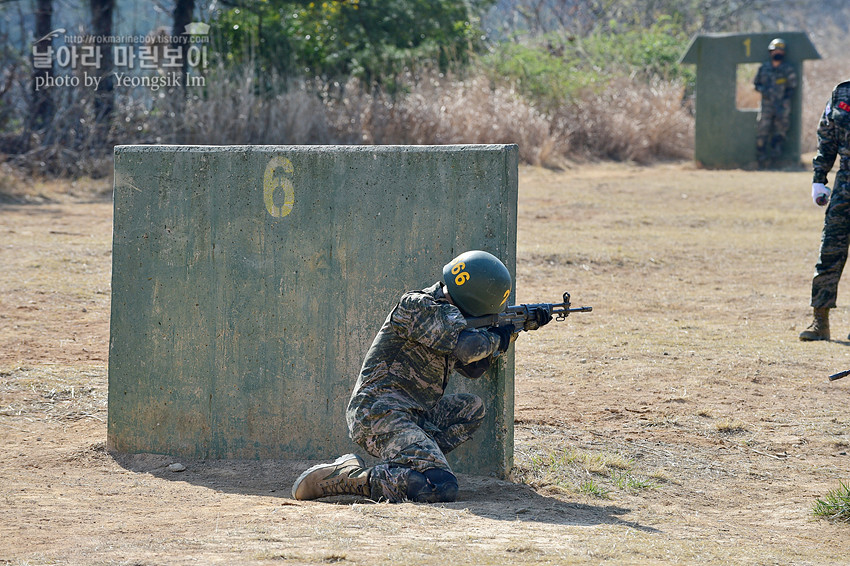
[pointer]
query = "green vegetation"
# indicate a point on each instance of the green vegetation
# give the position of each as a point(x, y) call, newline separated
point(370, 39)
point(589, 473)
point(588, 79)
point(554, 69)
point(835, 506)
point(590, 487)
point(377, 41)
point(629, 482)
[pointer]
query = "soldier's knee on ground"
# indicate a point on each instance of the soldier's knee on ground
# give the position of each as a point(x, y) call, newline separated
point(433, 486)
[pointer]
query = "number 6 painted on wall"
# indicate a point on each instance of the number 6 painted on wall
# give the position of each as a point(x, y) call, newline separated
point(275, 179)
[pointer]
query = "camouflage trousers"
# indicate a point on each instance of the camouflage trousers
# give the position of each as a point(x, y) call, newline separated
point(834, 243)
point(405, 441)
point(771, 129)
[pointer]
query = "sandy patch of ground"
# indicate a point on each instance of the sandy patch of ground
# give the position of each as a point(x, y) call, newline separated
point(681, 421)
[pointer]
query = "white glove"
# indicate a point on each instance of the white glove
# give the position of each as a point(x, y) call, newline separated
point(820, 194)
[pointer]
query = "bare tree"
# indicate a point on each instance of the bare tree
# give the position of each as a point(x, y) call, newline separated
point(104, 97)
point(183, 11)
point(41, 111)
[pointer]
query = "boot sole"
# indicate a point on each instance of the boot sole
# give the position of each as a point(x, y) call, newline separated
point(336, 462)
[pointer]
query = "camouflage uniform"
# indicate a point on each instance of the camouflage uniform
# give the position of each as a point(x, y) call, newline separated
point(833, 141)
point(398, 411)
point(776, 85)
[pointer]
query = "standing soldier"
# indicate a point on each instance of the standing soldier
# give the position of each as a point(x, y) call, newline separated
point(833, 141)
point(776, 80)
point(398, 411)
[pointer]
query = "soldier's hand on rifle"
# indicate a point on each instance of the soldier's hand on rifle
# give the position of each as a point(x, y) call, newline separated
point(537, 318)
point(506, 334)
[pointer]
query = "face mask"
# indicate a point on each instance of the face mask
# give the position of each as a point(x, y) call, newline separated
point(778, 56)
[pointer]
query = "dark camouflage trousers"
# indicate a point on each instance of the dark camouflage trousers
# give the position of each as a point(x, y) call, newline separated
point(405, 441)
point(834, 243)
point(772, 127)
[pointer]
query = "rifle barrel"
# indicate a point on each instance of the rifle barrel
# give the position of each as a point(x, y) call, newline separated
point(518, 312)
point(839, 375)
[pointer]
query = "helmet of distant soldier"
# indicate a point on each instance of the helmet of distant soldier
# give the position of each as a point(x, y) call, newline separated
point(777, 44)
point(478, 282)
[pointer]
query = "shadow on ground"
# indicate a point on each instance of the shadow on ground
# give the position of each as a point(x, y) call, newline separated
point(483, 496)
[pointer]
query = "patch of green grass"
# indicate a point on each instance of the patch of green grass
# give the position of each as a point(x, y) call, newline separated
point(590, 487)
point(558, 462)
point(597, 463)
point(835, 506)
point(629, 482)
point(580, 471)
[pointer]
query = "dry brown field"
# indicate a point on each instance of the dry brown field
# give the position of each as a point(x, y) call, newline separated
point(681, 422)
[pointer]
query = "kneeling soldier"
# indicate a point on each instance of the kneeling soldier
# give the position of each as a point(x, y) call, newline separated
point(398, 411)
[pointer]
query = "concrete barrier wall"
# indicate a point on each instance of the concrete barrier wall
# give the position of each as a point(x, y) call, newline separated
point(725, 136)
point(249, 281)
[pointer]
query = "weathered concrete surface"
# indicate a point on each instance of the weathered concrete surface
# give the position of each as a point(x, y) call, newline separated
point(249, 281)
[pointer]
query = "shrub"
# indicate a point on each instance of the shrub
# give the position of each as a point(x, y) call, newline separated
point(553, 70)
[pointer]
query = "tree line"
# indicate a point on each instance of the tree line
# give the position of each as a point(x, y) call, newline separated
point(552, 53)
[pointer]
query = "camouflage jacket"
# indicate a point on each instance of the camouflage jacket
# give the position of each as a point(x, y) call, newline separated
point(409, 363)
point(833, 134)
point(776, 84)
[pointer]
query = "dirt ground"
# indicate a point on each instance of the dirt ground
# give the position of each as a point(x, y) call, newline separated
point(680, 422)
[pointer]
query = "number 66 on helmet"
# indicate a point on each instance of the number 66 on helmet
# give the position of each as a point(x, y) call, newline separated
point(478, 282)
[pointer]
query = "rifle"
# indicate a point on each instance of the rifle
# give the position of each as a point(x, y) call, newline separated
point(839, 375)
point(518, 315)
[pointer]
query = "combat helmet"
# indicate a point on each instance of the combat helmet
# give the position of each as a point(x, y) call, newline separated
point(776, 44)
point(478, 283)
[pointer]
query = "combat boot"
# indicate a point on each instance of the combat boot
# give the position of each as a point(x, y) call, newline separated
point(819, 328)
point(347, 475)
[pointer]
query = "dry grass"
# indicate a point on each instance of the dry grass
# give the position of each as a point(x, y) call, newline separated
point(60, 394)
point(445, 111)
point(746, 96)
point(675, 261)
point(232, 112)
point(627, 120)
point(730, 426)
point(630, 121)
point(17, 187)
point(568, 470)
point(699, 282)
